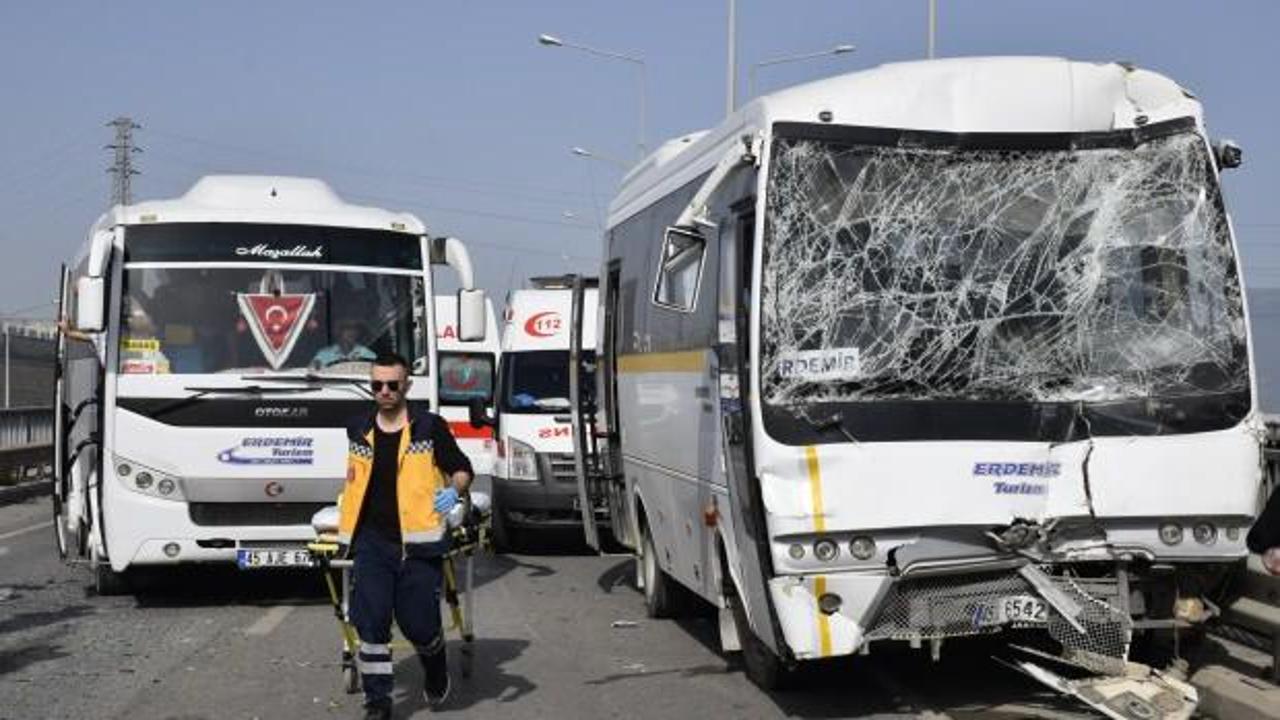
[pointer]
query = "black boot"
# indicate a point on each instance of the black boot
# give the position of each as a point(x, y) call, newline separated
point(436, 684)
point(378, 711)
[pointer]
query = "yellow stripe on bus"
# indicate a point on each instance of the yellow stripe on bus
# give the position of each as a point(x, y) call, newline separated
point(824, 623)
point(681, 361)
point(815, 488)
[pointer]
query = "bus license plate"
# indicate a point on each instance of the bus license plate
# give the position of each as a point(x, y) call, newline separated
point(1012, 609)
point(254, 559)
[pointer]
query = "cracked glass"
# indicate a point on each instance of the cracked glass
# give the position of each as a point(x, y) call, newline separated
point(1060, 275)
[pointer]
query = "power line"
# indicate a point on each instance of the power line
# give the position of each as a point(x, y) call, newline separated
point(451, 183)
point(122, 168)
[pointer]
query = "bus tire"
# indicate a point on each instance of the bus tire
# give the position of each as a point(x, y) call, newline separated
point(108, 582)
point(761, 665)
point(661, 593)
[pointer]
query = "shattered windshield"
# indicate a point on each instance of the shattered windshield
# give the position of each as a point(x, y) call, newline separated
point(1086, 272)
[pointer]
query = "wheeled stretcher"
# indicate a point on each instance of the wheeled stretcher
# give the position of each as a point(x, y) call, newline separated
point(468, 527)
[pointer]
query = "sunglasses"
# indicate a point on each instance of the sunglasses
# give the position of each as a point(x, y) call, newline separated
point(392, 385)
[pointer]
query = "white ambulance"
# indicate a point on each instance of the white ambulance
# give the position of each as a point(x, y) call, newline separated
point(468, 371)
point(534, 485)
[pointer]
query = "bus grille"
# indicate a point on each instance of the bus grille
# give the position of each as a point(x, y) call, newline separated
point(228, 514)
point(951, 606)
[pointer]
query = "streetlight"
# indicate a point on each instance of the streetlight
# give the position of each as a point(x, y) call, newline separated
point(751, 74)
point(553, 41)
point(585, 153)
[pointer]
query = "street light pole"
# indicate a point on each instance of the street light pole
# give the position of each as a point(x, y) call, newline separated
point(553, 41)
point(731, 99)
point(751, 73)
point(933, 26)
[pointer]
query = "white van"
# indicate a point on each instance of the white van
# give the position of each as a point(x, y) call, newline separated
point(468, 371)
point(534, 485)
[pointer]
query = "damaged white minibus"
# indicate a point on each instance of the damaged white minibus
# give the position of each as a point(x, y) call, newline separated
point(932, 350)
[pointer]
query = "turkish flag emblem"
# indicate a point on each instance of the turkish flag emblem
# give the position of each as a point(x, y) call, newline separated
point(276, 322)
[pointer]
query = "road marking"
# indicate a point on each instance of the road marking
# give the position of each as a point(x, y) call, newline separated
point(270, 620)
point(25, 530)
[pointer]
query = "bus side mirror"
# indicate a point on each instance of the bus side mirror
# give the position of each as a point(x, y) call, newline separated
point(478, 417)
point(1228, 154)
point(90, 304)
point(471, 315)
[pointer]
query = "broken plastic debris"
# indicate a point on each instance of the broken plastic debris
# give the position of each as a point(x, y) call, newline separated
point(625, 624)
point(1142, 693)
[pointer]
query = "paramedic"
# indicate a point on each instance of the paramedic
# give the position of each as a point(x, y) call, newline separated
point(404, 473)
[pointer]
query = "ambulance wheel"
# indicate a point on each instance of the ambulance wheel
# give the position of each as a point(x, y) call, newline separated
point(499, 532)
point(661, 593)
point(761, 665)
point(350, 680)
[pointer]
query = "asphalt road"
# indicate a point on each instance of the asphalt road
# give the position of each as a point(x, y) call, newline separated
point(215, 643)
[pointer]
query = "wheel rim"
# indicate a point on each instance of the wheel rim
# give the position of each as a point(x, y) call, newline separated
point(650, 566)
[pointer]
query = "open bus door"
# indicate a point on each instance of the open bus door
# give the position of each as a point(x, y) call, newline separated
point(582, 402)
point(60, 413)
point(599, 486)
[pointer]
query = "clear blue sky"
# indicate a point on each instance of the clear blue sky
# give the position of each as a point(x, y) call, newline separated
point(454, 112)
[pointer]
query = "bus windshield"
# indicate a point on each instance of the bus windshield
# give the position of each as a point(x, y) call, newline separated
point(1036, 269)
point(194, 320)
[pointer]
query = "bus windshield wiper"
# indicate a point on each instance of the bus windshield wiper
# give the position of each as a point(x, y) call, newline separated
point(311, 376)
point(200, 392)
point(834, 421)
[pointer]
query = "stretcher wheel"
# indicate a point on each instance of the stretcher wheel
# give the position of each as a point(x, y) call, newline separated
point(350, 680)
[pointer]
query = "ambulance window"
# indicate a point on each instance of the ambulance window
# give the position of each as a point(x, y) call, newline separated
point(680, 269)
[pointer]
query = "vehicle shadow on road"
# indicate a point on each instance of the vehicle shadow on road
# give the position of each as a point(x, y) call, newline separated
point(46, 648)
point(39, 618)
point(967, 683)
point(216, 585)
point(488, 681)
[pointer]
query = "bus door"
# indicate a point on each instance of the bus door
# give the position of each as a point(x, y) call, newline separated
point(60, 416)
point(733, 351)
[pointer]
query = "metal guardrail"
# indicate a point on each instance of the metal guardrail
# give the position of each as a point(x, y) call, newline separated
point(22, 428)
point(26, 442)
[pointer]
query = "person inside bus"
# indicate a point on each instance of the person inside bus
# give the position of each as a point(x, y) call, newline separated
point(348, 347)
point(404, 474)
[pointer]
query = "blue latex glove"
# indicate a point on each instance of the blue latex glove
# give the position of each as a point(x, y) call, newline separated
point(445, 500)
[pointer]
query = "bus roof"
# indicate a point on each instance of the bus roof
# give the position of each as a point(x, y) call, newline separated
point(269, 199)
point(960, 95)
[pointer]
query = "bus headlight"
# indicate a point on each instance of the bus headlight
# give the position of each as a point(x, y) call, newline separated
point(863, 547)
point(826, 550)
point(522, 461)
point(1170, 533)
point(148, 481)
point(1204, 533)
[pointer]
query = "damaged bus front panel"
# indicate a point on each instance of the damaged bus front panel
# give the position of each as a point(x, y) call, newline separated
point(1005, 376)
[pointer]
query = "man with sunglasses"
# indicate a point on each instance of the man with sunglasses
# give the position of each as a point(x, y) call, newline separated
point(404, 474)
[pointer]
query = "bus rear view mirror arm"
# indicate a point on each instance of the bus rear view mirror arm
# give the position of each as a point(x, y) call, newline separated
point(478, 417)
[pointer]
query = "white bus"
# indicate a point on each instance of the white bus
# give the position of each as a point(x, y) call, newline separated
point(468, 372)
point(216, 345)
point(927, 351)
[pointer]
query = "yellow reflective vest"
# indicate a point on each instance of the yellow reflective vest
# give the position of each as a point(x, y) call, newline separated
point(417, 480)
